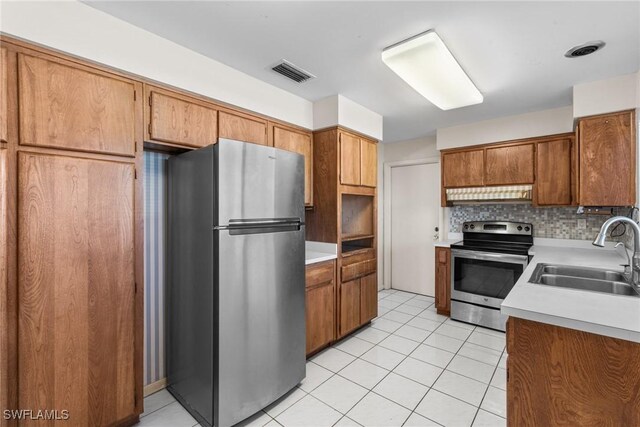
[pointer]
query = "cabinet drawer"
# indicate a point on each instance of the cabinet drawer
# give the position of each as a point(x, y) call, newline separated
point(358, 269)
point(318, 274)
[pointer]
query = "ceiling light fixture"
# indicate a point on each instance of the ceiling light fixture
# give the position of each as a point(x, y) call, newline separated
point(425, 63)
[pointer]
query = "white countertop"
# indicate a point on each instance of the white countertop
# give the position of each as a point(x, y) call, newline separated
point(451, 239)
point(320, 251)
point(615, 316)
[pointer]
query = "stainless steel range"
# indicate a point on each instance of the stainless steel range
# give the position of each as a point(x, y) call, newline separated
point(484, 268)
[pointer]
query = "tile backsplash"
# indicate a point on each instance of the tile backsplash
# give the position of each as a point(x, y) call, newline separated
point(558, 223)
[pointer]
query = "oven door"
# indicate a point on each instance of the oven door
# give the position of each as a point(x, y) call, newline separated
point(484, 278)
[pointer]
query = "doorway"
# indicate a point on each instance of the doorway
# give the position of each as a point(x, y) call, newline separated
point(414, 222)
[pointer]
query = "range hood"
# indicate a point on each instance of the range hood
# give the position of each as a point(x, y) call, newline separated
point(515, 193)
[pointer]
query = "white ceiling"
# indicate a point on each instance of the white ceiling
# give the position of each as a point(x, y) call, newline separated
point(513, 51)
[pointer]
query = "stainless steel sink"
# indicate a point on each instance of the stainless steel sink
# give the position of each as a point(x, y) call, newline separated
point(583, 278)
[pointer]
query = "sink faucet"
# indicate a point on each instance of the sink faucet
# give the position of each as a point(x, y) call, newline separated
point(635, 263)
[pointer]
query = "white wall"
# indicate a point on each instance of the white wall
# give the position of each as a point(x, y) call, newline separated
point(546, 122)
point(339, 110)
point(605, 96)
point(78, 29)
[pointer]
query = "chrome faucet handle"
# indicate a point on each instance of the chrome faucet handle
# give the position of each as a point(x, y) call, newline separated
point(627, 266)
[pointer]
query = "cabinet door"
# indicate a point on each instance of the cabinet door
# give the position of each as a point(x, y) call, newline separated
point(242, 127)
point(368, 298)
point(76, 287)
point(301, 143)
point(349, 159)
point(3, 94)
point(178, 121)
point(463, 169)
point(349, 306)
point(607, 168)
point(443, 280)
point(368, 163)
point(73, 108)
point(553, 172)
point(320, 316)
point(512, 164)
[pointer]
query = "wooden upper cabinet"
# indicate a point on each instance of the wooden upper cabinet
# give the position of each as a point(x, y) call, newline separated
point(3, 94)
point(302, 143)
point(463, 169)
point(349, 159)
point(177, 119)
point(508, 165)
point(607, 160)
point(74, 107)
point(554, 172)
point(242, 127)
point(368, 163)
point(76, 287)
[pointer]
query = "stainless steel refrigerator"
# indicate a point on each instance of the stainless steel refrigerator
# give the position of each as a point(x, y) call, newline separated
point(235, 300)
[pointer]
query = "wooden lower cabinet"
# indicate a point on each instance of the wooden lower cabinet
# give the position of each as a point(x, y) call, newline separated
point(563, 377)
point(358, 293)
point(368, 298)
point(320, 300)
point(443, 281)
point(349, 306)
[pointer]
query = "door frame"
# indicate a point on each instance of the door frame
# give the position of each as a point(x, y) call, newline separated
point(386, 233)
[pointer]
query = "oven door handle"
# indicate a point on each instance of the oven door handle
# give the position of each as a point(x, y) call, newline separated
point(490, 256)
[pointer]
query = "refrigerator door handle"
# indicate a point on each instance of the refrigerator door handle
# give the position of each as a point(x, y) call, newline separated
point(237, 227)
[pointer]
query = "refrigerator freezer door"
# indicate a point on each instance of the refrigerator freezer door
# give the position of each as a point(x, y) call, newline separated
point(261, 341)
point(257, 182)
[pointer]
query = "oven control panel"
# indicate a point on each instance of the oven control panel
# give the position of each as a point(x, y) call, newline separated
point(498, 227)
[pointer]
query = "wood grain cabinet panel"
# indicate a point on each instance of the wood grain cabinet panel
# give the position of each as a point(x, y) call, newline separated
point(443, 281)
point(463, 169)
point(368, 298)
point(607, 165)
point(178, 121)
point(349, 159)
point(3, 94)
point(301, 143)
point(242, 127)
point(368, 163)
point(349, 306)
point(76, 287)
point(320, 303)
point(74, 108)
point(554, 178)
point(512, 164)
point(563, 377)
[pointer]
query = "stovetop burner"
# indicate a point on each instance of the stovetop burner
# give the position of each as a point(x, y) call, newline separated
point(496, 236)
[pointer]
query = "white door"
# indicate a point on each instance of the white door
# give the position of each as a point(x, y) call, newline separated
point(415, 210)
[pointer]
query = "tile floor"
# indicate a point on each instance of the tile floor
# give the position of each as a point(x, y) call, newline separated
point(411, 367)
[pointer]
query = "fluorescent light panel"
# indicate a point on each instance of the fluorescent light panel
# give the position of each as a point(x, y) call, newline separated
point(425, 63)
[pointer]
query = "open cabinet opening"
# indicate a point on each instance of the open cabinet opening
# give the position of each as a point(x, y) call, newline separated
point(358, 226)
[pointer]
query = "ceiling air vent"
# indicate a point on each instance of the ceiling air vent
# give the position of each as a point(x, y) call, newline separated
point(584, 49)
point(292, 72)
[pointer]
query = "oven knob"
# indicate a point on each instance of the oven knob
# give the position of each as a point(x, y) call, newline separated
point(466, 227)
point(519, 228)
point(472, 226)
point(527, 229)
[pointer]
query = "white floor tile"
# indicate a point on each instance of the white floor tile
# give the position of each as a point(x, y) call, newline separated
point(463, 388)
point(453, 332)
point(409, 309)
point(412, 333)
point(431, 314)
point(419, 371)
point(385, 325)
point(495, 401)
point(388, 291)
point(401, 390)
point(489, 341)
point(372, 335)
point(258, 420)
point(503, 361)
point(399, 344)
point(382, 311)
point(310, 412)
point(375, 410)
point(399, 297)
point(457, 324)
point(487, 419)
point(424, 298)
point(471, 368)
point(397, 316)
point(340, 393)
point(444, 342)
point(500, 379)
point(418, 303)
point(446, 410)
point(354, 346)
point(383, 357)
point(346, 422)
point(333, 359)
point(422, 323)
point(172, 415)
point(387, 303)
point(316, 375)
point(272, 423)
point(157, 400)
point(364, 373)
point(479, 353)
point(416, 420)
point(491, 332)
point(280, 405)
point(432, 355)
